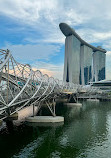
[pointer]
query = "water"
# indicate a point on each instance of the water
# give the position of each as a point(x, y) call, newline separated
point(85, 133)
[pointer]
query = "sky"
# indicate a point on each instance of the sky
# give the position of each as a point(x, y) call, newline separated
point(30, 30)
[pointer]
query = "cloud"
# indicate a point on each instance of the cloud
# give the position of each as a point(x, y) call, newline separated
point(44, 17)
point(92, 22)
point(90, 19)
point(48, 68)
point(33, 52)
point(107, 45)
point(38, 56)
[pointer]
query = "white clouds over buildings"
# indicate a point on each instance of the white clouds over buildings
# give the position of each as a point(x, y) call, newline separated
point(45, 16)
point(31, 52)
point(91, 19)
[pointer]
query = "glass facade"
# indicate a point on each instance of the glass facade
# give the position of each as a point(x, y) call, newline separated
point(99, 59)
point(82, 65)
point(86, 64)
point(72, 60)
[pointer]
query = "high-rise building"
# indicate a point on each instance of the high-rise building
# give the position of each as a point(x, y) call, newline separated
point(72, 55)
point(86, 64)
point(99, 59)
point(83, 62)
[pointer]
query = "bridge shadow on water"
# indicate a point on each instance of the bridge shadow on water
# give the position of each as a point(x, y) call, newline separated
point(85, 133)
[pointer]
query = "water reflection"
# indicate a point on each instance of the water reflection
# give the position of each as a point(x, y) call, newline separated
point(85, 133)
point(89, 130)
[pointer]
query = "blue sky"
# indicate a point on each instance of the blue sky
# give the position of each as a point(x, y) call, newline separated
point(30, 29)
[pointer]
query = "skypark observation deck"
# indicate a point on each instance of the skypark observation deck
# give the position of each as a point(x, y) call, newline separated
point(83, 62)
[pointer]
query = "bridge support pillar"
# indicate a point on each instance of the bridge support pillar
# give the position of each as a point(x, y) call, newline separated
point(45, 119)
point(49, 103)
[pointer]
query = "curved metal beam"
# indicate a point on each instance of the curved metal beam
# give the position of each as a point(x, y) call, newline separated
point(6, 60)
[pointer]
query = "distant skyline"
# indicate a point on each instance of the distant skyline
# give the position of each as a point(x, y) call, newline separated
point(30, 29)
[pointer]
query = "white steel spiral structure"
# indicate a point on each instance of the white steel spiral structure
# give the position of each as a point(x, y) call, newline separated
point(21, 86)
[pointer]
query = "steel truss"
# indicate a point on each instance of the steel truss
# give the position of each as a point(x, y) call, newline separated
point(20, 86)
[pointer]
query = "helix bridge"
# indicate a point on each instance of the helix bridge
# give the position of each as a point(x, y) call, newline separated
point(20, 86)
